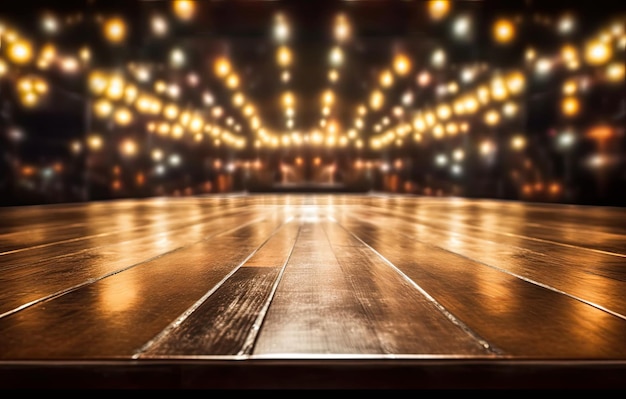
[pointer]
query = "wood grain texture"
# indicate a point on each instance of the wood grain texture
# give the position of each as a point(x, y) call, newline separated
point(312, 276)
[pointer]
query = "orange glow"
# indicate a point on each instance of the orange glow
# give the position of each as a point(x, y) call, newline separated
point(28, 170)
point(570, 106)
point(438, 8)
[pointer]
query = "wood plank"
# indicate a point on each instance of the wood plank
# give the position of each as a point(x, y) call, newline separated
point(347, 303)
point(227, 319)
point(520, 318)
point(106, 227)
point(27, 278)
point(115, 316)
point(598, 279)
point(603, 230)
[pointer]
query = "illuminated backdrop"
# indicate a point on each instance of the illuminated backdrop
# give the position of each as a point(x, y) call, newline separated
point(521, 100)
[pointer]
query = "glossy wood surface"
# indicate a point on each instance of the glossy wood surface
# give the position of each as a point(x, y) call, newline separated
point(300, 277)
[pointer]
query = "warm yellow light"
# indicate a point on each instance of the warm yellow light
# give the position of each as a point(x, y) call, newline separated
point(288, 99)
point(328, 97)
point(184, 9)
point(333, 75)
point(376, 99)
point(29, 99)
point(444, 111)
point(48, 53)
point(336, 56)
point(115, 30)
point(94, 142)
point(128, 147)
point(570, 106)
point(40, 86)
point(123, 116)
point(569, 53)
point(170, 111)
point(402, 64)
point(438, 8)
point(498, 89)
point(597, 52)
point(570, 87)
point(615, 72)
point(503, 31)
point(470, 104)
point(4, 68)
point(386, 78)
point(283, 56)
point(238, 99)
point(342, 28)
point(515, 82)
point(492, 117)
point(232, 81)
point(518, 142)
point(20, 52)
point(102, 108)
point(222, 67)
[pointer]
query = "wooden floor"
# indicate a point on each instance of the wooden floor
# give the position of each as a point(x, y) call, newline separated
point(312, 291)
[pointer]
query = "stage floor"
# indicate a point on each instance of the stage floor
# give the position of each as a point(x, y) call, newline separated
point(312, 291)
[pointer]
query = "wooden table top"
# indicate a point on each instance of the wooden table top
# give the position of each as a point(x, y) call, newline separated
point(332, 290)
